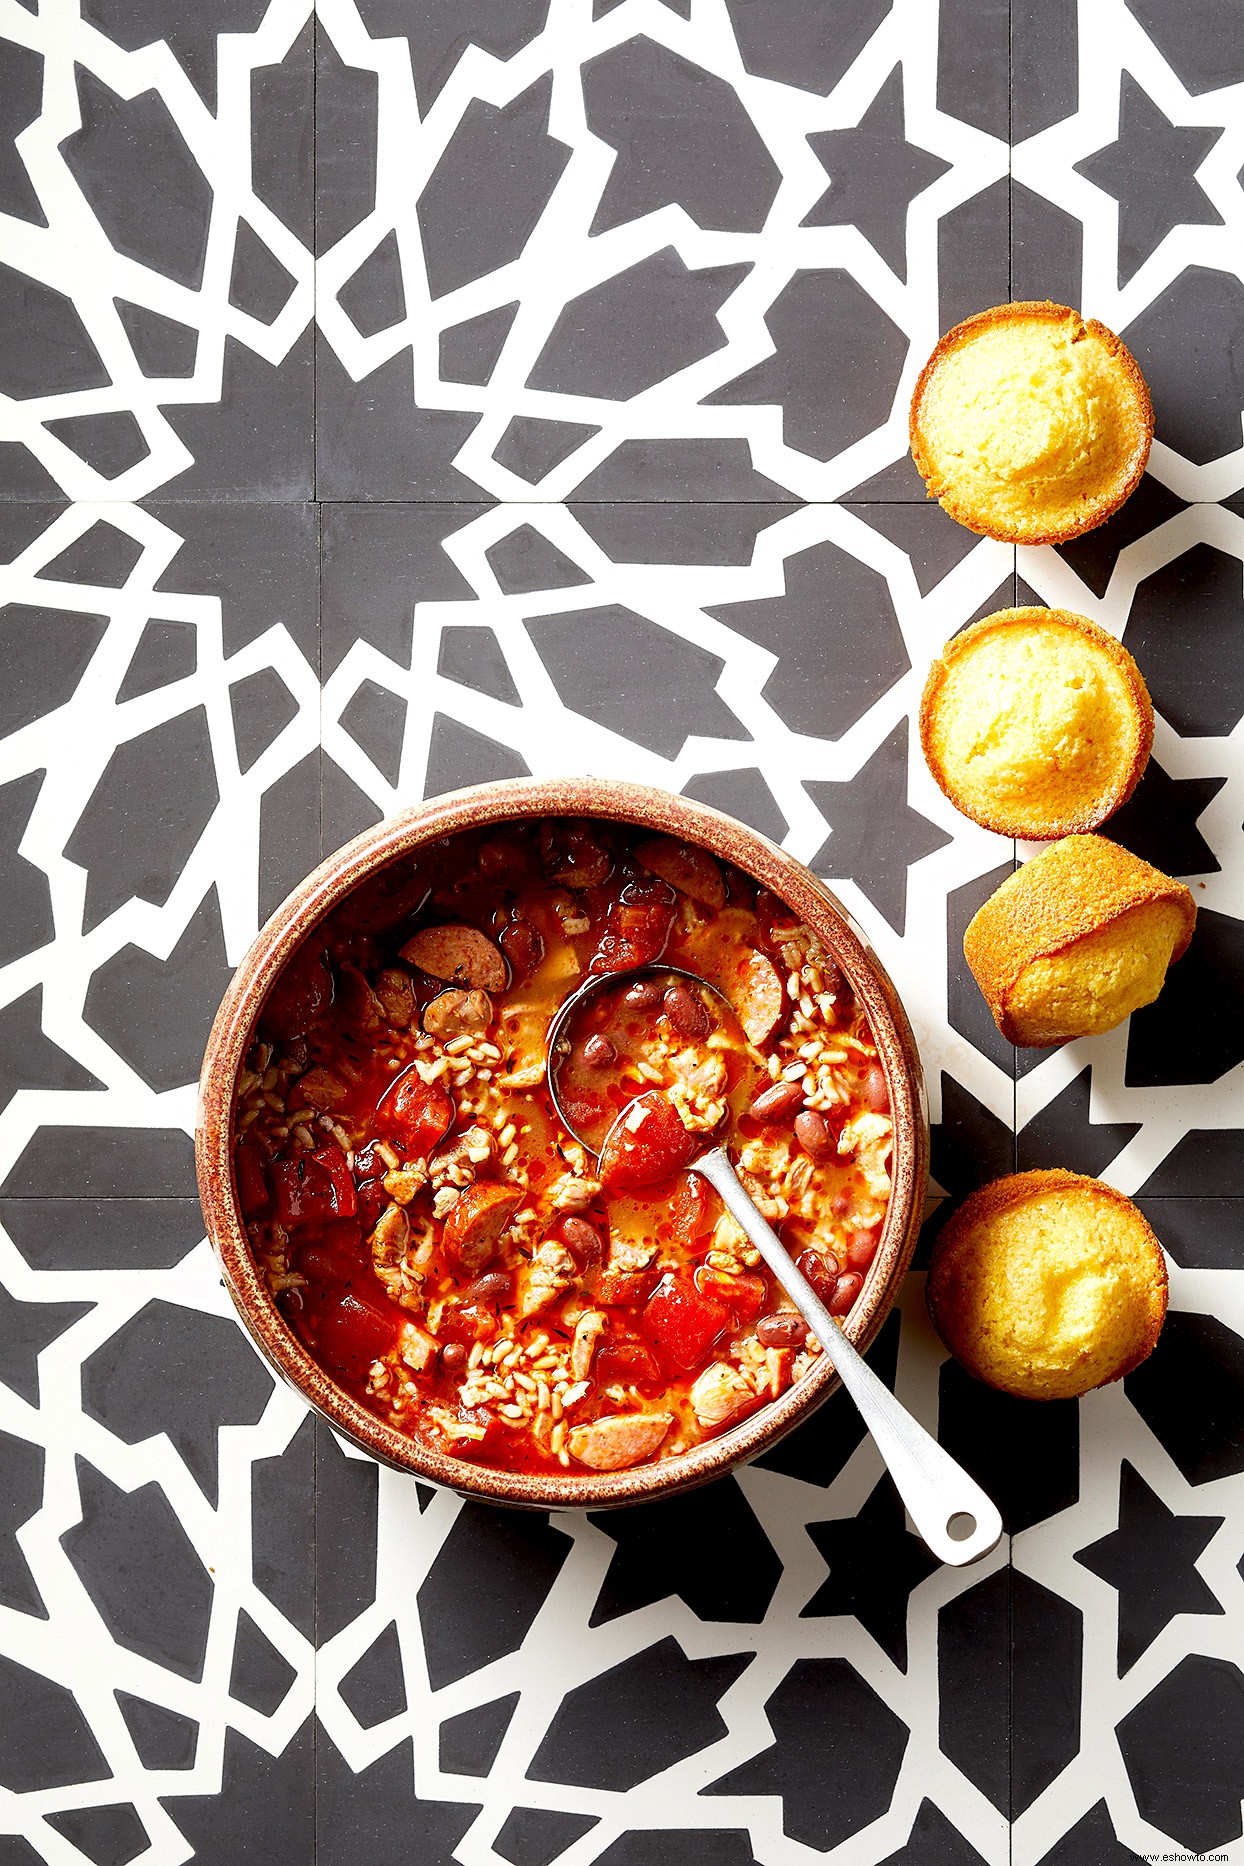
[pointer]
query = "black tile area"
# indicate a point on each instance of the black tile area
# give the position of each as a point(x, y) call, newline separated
point(163, 1738)
point(531, 447)
point(378, 562)
point(803, 42)
point(974, 255)
point(821, 686)
point(670, 1548)
point(635, 1719)
point(109, 443)
point(1047, 1640)
point(1194, 1032)
point(259, 285)
point(636, 328)
point(504, 161)
point(1151, 172)
point(21, 100)
point(128, 847)
point(260, 1677)
point(345, 1535)
point(469, 351)
point(95, 1162)
point(874, 175)
point(1189, 1394)
point(103, 553)
point(344, 810)
point(970, 1144)
point(28, 1058)
point(475, 658)
point(1063, 1133)
point(1199, 42)
point(162, 346)
point(933, 1842)
point(1189, 343)
point(21, 1493)
point(965, 1007)
point(26, 1328)
point(1183, 1749)
point(374, 1815)
point(447, 27)
point(257, 440)
point(262, 706)
point(372, 440)
point(459, 755)
point(114, 1233)
point(45, 1741)
point(470, 1741)
point(135, 1383)
point(681, 135)
point(522, 561)
point(828, 397)
point(934, 543)
point(659, 467)
point(678, 533)
point(373, 297)
point(1092, 1842)
point(107, 1836)
point(282, 135)
point(1184, 623)
point(374, 1688)
point(1045, 56)
point(27, 920)
point(132, 163)
point(485, 1588)
point(875, 835)
point(166, 651)
point(1025, 1454)
point(142, 1572)
point(289, 831)
point(375, 718)
point(974, 63)
point(283, 1528)
point(821, 1807)
point(267, 1799)
point(974, 1687)
point(1159, 822)
point(1200, 1233)
point(537, 1836)
point(345, 144)
point(48, 349)
point(1149, 1561)
point(258, 559)
point(1047, 250)
point(156, 1013)
point(744, 794)
point(630, 674)
point(875, 1565)
point(673, 1846)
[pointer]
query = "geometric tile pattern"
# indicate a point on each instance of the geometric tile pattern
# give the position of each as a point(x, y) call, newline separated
point(393, 398)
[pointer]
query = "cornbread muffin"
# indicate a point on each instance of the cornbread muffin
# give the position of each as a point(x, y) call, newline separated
point(1036, 723)
point(1030, 423)
point(1047, 1284)
point(1076, 940)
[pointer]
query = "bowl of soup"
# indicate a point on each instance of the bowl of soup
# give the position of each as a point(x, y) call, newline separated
point(530, 1297)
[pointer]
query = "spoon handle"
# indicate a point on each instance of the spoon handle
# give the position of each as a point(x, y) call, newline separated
point(938, 1494)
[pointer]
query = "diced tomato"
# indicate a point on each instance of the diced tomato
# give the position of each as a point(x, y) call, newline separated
point(353, 1332)
point(683, 1322)
point(300, 995)
point(743, 1294)
point(329, 1254)
point(254, 1192)
point(648, 1143)
point(416, 1114)
point(372, 1199)
point(638, 928)
point(314, 1188)
point(692, 1213)
point(625, 1361)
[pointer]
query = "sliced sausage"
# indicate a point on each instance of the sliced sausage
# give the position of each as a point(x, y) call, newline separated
point(459, 955)
point(571, 855)
point(396, 996)
point(692, 871)
point(760, 999)
point(588, 1330)
point(475, 1222)
point(615, 1443)
point(457, 1013)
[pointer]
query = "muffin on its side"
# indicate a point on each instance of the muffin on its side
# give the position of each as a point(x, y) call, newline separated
point(1036, 723)
point(1076, 940)
point(1047, 1284)
point(1030, 423)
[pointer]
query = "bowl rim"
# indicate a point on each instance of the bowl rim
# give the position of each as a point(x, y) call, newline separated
point(474, 807)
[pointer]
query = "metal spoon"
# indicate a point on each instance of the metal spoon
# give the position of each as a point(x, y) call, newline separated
point(949, 1509)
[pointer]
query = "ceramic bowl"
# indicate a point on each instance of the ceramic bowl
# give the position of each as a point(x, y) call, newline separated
point(483, 805)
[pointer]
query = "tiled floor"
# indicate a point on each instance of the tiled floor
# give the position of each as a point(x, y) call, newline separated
point(433, 390)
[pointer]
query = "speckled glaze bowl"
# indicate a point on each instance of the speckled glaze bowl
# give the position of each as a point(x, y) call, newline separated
point(471, 809)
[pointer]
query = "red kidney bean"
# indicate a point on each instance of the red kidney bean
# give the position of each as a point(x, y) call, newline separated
point(876, 1090)
point(840, 1204)
point(643, 994)
point(815, 1135)
point(846, 1289)
point(453, 1355)
point(523, 946)
point(781, 1331)
point(821, 1270)
point(776, 1105)
point(598, 1052)
point(493, 1286)
point(861, 1249)
point(688, 1014)
point(582, 1239)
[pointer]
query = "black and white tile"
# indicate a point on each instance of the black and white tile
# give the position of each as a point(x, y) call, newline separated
point(421, 391)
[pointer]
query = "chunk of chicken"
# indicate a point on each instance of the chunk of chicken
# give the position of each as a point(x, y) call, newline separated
point(699, 1088)
point(551, 1271)
point(869, 1137)
point(417, 1347)
point(404, 1182)
point(589, 1328)
point(457, 1013)
point(624, 1439)
point(395, 994)
point(320, 1088)
point(719, 1393)
point(574, 1193)
point(389, 1237)
point(460, 1161)
point(628, 1275)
